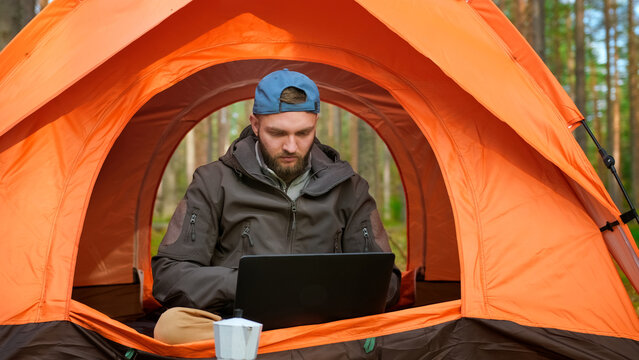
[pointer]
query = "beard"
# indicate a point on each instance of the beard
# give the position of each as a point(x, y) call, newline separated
point(286, 173)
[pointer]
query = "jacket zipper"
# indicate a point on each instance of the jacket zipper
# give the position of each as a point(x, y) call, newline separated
point(192, 226)
point(291, 230)
point(293, 225)
point(294, 210)
point(247, 234)
point(366, 239)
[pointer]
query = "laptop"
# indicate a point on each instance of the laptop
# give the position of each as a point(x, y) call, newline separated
point(300, 289)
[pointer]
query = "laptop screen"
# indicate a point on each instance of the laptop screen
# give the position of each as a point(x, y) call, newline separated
point(300, 289)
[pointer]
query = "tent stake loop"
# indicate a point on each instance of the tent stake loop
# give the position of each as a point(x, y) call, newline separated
point(609, 161)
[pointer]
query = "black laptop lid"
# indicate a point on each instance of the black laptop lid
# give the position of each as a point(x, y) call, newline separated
point(300, 289)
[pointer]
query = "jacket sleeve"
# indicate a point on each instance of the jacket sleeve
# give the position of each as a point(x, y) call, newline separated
point(365, 232)
point(182, 275)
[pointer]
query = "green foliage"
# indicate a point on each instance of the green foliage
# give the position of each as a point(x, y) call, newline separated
point(398, 242)
point(634, 229)
point(157, 233)
point(397, 207)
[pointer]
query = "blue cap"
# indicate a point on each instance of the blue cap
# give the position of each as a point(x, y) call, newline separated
point(269, 90)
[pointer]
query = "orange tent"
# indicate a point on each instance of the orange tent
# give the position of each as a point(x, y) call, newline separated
point(95, 96)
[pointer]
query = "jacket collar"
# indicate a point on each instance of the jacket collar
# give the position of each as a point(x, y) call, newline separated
point(327, 170)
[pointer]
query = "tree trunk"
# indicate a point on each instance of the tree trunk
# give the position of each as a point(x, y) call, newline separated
point(223, 131)
point(386, 179)
point(555, 62)
point(375, 179)
point(200, 133)
point(248, 110)
point(367, 155)
point(190, 156)
point(596, 119)
point(515, 13)
point(323, 124)
point(167, 194)
point(353, 136)
point(523, 19)
point(338, 134)
point(615, 126)
point(633, 94)
point(538, 36)
point(609, 95)
point(209, 138)
point(42, 4)
point(612, 103)
point(332, 124)
point(580, 70)
point(568, 79)
point(14, 15)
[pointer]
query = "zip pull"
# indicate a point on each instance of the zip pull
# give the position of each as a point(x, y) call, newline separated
point(192, 222)
point(366, 240)
point(294, 210)
point(247, 233)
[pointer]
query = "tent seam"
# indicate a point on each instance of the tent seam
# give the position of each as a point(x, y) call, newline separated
point(51, 238)
point(544, 96)
point(538, 90)
point(499, 41)
point(71, 83)
point(453, 205)
point(49, 34)
point(401, 174)
point(473, 193)
point(596, 195)
point(18, 65)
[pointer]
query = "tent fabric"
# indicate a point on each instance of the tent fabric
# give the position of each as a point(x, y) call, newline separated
point(485, 339)
point(96, 95)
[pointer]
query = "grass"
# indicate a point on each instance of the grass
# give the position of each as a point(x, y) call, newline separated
point(157, 233)
point(398, 242)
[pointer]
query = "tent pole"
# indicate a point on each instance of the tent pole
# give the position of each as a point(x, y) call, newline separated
point(609, 161)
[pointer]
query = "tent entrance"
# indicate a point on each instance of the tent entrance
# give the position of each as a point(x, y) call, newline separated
point(116, 233)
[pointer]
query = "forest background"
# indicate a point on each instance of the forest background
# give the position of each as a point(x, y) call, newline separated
point(591, 46)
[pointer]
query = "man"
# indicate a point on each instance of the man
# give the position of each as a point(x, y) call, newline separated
point(276, 190)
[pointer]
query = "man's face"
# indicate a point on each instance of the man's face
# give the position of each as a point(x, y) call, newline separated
point(285, 141)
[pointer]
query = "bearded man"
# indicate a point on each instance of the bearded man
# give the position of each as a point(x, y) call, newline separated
point(277, 190)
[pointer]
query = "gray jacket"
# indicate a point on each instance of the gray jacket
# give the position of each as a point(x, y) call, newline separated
point(231, 209)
